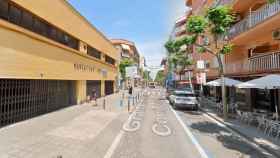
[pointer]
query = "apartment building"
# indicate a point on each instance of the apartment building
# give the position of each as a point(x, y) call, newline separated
point(204, 64)
point(127, 50)
point(255, 36)
point(256, 53)
point(51, 57)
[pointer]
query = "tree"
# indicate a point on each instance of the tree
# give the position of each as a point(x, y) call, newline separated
point(176, 56)
point(146, 75)
point(211, 28)
point(160, 77)
point(123, 64)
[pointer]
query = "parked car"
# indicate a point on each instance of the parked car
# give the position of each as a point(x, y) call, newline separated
point(169, 91)
point(152, 85)
point(184, 99)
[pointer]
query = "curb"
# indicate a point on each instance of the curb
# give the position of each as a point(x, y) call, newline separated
point(243, 135)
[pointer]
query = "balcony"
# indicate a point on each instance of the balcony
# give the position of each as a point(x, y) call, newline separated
point(254, 18)
point(221, 2)
point(264, 63)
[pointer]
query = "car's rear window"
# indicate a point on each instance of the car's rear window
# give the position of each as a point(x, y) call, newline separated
point(184, 95)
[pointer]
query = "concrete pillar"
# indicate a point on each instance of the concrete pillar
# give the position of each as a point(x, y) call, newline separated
point(81, 91)
point(102, 88)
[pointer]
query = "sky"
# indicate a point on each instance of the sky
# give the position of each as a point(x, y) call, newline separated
point(145, 22)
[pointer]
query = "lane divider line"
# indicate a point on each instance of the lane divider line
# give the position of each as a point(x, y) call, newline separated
point(117, 140)
point(114, 145)
point(191, 136)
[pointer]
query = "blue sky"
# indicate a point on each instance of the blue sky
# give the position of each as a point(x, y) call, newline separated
point(145, 22)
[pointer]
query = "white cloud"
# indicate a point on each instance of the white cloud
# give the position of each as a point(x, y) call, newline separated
point(177, 9)
point(153, 51)
point(121, 23)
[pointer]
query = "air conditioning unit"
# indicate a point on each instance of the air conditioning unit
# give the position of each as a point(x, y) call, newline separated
point(276, 35)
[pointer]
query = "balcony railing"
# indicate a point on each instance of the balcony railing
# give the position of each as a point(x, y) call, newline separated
point(260, 63)
point(254, 18)
point(221, 2)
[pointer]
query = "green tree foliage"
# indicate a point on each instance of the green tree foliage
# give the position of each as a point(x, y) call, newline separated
point(272, 1)
point(214, 25)
point(160, 77)
point(176, 57)
point(146, 75)
point(123, 64)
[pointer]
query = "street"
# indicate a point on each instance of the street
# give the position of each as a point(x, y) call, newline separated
point(152, 130)
point(202, 137)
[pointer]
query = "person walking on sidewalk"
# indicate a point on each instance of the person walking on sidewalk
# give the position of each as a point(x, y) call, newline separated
point(94, 97)
point(130, 90)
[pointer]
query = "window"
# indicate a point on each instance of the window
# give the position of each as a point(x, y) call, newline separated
point(27, 20)
point(109, 60)
point(40, 27)
point(53, 33)
point(93, 52)
point(14, 15)
point(73, 43)
point(4, 8)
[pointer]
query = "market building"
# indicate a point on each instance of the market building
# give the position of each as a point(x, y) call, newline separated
point(51, 57)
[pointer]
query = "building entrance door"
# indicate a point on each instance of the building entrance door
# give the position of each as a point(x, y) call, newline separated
point(109, 87)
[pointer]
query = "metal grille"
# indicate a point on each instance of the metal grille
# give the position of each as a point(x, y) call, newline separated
point(24, 99)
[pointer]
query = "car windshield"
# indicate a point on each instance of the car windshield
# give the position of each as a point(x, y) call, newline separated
point(184, 95)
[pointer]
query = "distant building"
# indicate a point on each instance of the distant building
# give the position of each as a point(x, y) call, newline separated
point(127, 50)
point(142, 62)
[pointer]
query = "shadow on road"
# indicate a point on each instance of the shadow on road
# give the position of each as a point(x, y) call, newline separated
point(229, 140)
point(208, 128)
point(192, 112)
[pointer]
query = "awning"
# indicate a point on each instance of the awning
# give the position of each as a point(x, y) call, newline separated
point(267, 82)
point(228, 82)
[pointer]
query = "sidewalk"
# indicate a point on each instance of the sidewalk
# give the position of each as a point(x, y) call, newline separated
point(117, 102)
point(271, 144)
point(84, 131)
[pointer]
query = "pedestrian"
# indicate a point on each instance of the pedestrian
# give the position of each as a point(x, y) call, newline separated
point(93, 97)
point(130, 90)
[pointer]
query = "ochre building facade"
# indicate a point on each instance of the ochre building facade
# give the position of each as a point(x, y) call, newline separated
point(51, 57)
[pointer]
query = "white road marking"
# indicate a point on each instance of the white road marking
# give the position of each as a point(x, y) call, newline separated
point(114, 145)
point(189, 133)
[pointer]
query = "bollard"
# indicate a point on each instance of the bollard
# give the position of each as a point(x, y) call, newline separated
point(133, 103)
point(128, 104)
point(104, 104)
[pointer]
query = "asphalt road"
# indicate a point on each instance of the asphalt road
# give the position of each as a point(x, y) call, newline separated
point(158, 131)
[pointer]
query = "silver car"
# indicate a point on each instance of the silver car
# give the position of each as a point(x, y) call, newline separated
point(184, 99)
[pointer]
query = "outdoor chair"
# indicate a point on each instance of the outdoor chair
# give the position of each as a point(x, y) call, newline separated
point(261, 123)
point(239, 114)
point(273, 128)
point(278, 132)
point(268, 126)
point(250, 118)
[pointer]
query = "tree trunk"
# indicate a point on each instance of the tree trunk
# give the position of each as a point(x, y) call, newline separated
point(224, 96)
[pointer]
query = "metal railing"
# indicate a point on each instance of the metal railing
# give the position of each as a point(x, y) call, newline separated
point(259, 63)
point(254, 18)
point(269, 61)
